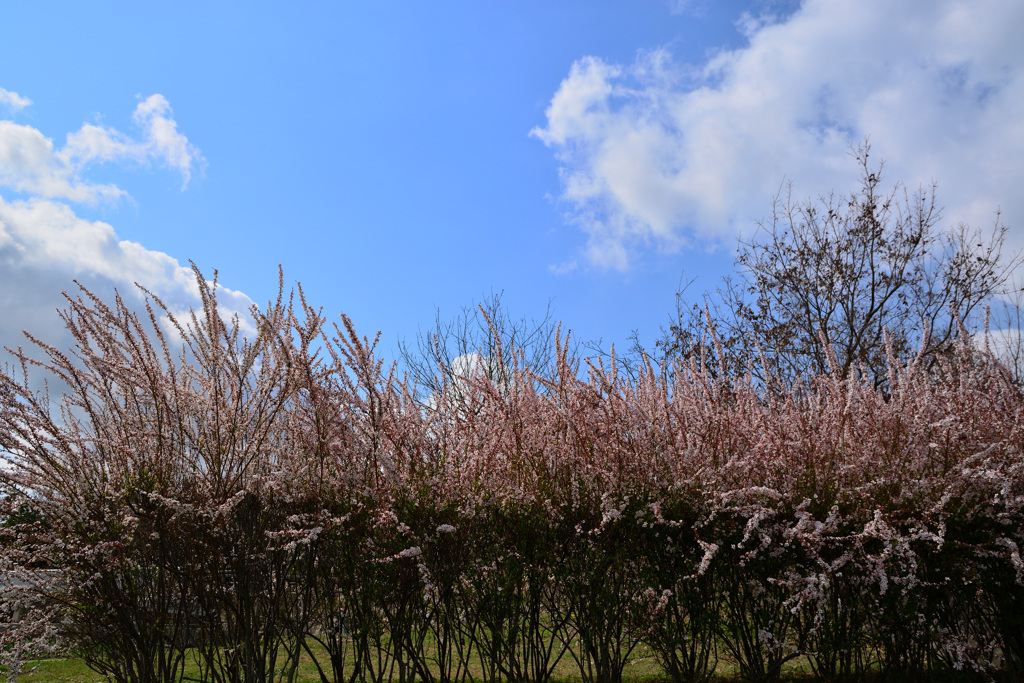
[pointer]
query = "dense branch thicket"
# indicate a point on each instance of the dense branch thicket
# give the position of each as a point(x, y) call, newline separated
point(198, 501)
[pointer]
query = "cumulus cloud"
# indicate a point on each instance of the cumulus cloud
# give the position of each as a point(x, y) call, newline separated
point(31, 164)
point(45, 244)
point(13, 100)
point(671, 155)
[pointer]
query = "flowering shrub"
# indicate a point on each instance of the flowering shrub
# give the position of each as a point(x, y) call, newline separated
point(207, 500)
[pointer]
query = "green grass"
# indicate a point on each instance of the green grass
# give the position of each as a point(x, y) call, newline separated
point(641, 668)
point(58, 670)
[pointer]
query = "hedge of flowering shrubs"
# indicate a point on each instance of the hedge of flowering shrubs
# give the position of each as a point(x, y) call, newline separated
point(202, 500)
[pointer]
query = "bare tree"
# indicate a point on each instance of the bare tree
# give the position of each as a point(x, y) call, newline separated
point(1006, 338)
point(481, 338)
point(850, 271)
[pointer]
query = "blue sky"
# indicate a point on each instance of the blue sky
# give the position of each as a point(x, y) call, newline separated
point(396, 156)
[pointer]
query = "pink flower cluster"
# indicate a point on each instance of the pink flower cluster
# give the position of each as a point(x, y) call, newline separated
point(233, 501)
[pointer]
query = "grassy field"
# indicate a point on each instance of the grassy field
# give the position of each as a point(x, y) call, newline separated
point(642, 668)
point(54, 670)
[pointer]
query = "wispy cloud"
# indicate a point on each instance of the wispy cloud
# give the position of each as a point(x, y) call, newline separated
point(30, 163)
point(13, 100)
point(664, 154)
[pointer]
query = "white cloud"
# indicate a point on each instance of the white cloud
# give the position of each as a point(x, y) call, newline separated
point(44, 244)
point(163, 141)
point(664, 154)
point(30, 163)
point(13, 100)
